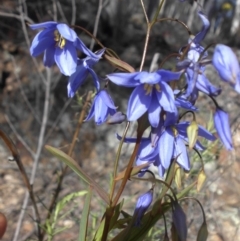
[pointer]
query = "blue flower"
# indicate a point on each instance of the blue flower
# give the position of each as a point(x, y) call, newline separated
point(200, 82)
point(102, 107)
point(194, 64)
point(179, 221)
point(84, 67)
point(152, 93)
point(143, 203)
point(59, 44)
point(226, 63)
point(166, 142)
point(221, 122)
point(170, 143)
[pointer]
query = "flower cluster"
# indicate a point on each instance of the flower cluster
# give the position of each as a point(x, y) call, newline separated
point(153, 92)
point(157, 95)
point(60, 44)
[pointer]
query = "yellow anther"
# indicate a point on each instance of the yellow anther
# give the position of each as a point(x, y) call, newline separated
point(226, 6)
point(148, 88)
point(157, 87)
point(61, 42)
point(174, 130)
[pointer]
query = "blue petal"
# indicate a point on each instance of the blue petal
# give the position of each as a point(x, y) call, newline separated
point(48, 58)
point(91, 112)
point(101, 110)
point(92, 61)
point(181, 151)
point(95, 78)
point(206, 87)
point(42, 41)
point(166, 147)
point(154, 111)
point(50, 24)
point(66, 59)
point(171, 119)
point(226, 63)
point(167, 75)
point(161, 170)
point(107, 99)
point(148, 78)
point(166, 97)
point(221, 122)
point(83, 48)
point(67, 32)
point(138, 103)
point(205, 133)
point(125, 79)
point(206, 25)
point(76, 80)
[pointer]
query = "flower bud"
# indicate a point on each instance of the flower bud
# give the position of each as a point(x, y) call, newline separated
point(143, 203)
point(221, 122)
point(226, 63)
point(179, 221)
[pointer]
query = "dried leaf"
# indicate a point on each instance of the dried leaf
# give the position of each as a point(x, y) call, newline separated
point(192, 133)
point(119, 64)
point(201, 179)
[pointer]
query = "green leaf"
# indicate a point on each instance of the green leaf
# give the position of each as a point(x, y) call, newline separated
point(99, 233)
point(84, 219)
point(78, 170)
point(203, 232)
point(117, 211)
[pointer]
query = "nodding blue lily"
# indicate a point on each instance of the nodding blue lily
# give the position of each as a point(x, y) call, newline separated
point(59, 44)
point(221, 122)
point(84, 68)
point(143, 203)
point(102, 107)
point(226, 63)
point(152, 93)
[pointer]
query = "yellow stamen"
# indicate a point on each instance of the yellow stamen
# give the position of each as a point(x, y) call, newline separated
point(149, 88)
point(61, 42)
point(174, 130)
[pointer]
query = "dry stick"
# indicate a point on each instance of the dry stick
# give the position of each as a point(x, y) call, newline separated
point(27, 147)
point(12, 15)
point(37, 155)
point(74, 9)
point(59, 6)
point(96, 23)
point(54, 10)
point(70, 151)
point(17, 159)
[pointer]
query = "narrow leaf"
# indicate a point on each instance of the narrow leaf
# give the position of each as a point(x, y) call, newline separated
point(78, 170)
point(134, 171)
point(117, 211)
point(99, 233)
point(84, 219)
point(119, 64)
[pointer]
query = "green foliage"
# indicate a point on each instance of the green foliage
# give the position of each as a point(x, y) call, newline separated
point(51, 224)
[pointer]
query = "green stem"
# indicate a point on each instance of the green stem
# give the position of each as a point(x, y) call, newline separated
point(117, 161)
